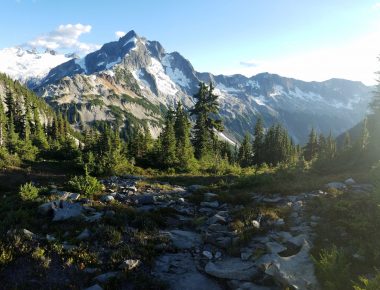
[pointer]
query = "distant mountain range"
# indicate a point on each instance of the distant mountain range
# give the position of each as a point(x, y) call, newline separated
point(133, 81)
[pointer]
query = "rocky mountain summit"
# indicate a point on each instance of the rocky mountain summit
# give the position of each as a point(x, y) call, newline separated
point(134, 80)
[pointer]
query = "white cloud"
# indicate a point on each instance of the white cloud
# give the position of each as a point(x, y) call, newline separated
point(376, 5)
point(354, 60)
point(65, 37)
point(119, 34)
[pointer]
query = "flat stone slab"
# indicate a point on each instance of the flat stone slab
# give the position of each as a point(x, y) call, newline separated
point(232, 268)
point(180, 272)
point(184, 240)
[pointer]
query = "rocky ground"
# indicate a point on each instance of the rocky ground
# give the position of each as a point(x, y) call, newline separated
point(144, 235)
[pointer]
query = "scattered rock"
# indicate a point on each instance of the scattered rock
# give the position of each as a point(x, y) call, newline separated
point(217, 219)
point(130, 264)
point(195, 187)
point(232, 268)
point(67, 210)
point(180, 272)
point(50, 238)
point(145, 199)
point(207, 254)
point(273, 200)
point(84, 235)
point(239, 285)
point(218, 255)
point(48, 207)
point(210, 204)
point(107, 198)
point(94, 287)
point(274, 247)
point(256, 224)
point(350, 181)
point(94, 217)
point(102, 278)
point(336, 185)
point(209, 196)
point(279, 222)
point(184, 239)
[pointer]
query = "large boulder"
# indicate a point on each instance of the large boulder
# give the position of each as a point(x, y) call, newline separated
point(232, 268)
point(67, 210)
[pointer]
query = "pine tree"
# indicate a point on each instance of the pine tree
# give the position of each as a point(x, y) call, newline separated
point(38, 136)
point(311, 148)
point(205, 109)
point(347, 141)
point(184, 150)
point(12, 136)
point(245, 152)
point(168, 142)
point(258, 142)
point(364, 137)
point(3, 125)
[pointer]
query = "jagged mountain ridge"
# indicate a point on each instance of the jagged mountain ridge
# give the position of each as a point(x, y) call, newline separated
point(135, 78)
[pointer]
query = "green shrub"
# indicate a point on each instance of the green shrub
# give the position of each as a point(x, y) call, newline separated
point(5, 255)
point(332, 269)
point(7, 160)
point(368, 284)
point(86, 185)
point(28, 191)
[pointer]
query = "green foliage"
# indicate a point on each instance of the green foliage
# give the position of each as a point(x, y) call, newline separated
point(28, 191)
point(6, 255)
point(245, 153)
point(86, 185)
point(205, 110)
point(368, 284)
point(332, 269)
point(168, 141)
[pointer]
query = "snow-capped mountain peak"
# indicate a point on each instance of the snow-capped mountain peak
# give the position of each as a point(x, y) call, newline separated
point(28, 65)
point(141, 69)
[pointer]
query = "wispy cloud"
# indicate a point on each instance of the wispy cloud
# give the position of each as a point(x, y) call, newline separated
point(119, 34)
point(66, 36)
point(250, 63)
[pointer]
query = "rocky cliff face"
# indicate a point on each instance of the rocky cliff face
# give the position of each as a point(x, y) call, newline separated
point(133, 81)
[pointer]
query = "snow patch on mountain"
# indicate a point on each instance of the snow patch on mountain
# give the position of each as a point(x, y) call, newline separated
point(164, 84)
point(24, 65)
point(82, 63)
point(175, 74)
point(223, 137)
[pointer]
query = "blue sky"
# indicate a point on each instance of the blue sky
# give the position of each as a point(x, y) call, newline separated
point(310, 40)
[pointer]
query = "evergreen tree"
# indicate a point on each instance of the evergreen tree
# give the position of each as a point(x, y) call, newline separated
point(184, 149)
point(347, 141)
point(12, 136)
point(168, 142)
point(205, 109)
point(311, 148)
point(3, 125)
point(258, 142)
point(38, 136)
point(364, 137)
point(245, 152)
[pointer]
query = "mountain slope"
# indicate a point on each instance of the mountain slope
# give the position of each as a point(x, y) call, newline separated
point(134, 78)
